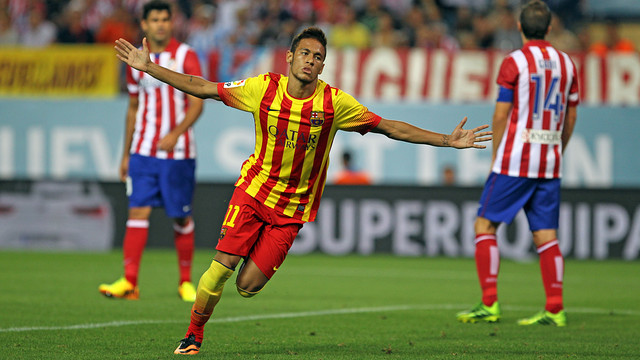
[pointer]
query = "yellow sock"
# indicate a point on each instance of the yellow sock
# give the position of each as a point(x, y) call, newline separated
point(207, 296)
point(210, 288)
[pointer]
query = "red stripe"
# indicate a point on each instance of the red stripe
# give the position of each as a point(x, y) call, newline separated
point(144, 117)
point(546, 118)
point(281, 141)
point(298, 157)
point(526, 147)
point(318, 196)
point(562, 90)
point(603, 79)
point(188, 133)
point(564, 94)
point(321, 150)
point(511, 131)
point(267, 100)
point(156, 137)
point(448, 75)
point(172, 115)
point(187, 144)
point(427, 78)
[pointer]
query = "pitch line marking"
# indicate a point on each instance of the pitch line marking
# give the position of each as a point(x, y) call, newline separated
point(304, 314)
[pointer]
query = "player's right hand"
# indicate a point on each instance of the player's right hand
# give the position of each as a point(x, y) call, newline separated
point(124, 168)
point(136, 58)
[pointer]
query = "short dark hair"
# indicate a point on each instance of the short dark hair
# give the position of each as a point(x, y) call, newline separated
point(309, 33)
point(155, 5)
point(535, 19)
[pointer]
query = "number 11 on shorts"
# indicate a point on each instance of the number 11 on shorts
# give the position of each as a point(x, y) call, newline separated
point(230, 217)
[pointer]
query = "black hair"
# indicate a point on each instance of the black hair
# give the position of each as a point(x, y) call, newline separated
point(159, 5)
point(346, 156)
point(309, 33)
point(535, 19)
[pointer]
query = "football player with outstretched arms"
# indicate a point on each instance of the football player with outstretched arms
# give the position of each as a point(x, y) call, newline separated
point(296, 118)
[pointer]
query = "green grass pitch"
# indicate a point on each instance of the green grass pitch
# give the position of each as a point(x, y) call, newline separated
point(316, 307)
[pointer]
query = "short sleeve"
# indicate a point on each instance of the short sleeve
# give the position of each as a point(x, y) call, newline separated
point(132, 85)
point(350, 115)
point(192, 64)
point(574, 90)
point(244, 95)
point(508, 74)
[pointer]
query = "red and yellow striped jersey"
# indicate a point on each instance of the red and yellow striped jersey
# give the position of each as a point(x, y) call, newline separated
point(288, 168)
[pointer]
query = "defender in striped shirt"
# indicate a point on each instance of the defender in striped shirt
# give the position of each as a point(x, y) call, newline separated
point(159, 157)
point(296, 118)
point(532, 123)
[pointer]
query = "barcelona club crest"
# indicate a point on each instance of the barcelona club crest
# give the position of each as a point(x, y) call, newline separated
point(317, 118)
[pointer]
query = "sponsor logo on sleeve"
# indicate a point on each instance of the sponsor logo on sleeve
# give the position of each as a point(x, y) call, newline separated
point(234, 84)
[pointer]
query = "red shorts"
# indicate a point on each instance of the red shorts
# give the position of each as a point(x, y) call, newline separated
point(252, 229)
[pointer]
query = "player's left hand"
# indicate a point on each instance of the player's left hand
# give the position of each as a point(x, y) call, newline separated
point(168, 142)
point(462, 139)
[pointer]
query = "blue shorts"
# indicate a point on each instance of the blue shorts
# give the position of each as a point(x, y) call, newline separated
point(503, 196)
point(163, 183)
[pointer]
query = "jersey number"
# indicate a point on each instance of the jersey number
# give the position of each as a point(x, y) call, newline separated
point(230, 217)
point(552, 99)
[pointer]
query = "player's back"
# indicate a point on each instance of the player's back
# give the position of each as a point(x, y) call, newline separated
point(544, 83)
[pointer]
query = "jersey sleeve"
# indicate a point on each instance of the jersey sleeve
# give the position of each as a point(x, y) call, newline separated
point(574, 90)
point(132, 85)
point(244, 95)
point(508, 74)
point(350, 115)
point(192, 64)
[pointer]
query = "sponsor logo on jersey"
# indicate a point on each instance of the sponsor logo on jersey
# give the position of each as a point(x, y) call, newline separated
point(293, 139)
point(537, 136)
point(234, 84)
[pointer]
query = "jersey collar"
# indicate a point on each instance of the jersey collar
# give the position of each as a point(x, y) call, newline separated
point(537, 43)
point(172, 46)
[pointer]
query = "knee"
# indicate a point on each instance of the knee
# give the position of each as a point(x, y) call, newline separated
point(247, 293)
point(485, 226)
point(182, 222)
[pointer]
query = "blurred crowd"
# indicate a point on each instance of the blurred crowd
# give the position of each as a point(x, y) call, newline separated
point(218, 24)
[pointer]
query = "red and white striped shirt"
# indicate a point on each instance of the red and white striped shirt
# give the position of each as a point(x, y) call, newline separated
point(544, 82)
point(161, 107)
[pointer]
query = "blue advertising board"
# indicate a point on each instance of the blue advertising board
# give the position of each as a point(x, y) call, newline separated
point(82, 139)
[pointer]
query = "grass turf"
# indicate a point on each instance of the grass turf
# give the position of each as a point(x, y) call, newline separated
point(316, 307)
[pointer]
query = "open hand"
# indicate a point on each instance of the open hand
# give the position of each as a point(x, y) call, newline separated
point(132, 56)
point(461, 138)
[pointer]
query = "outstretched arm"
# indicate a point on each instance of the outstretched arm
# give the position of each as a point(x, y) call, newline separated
point(459, 138)
point(139, 59)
